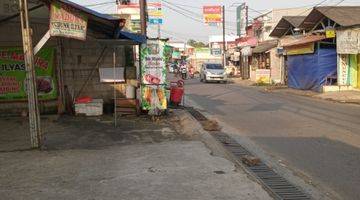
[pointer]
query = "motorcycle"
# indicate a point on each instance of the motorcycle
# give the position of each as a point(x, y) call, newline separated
point(183, 73)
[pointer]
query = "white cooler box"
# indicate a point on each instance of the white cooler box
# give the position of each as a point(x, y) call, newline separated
point(93, 108)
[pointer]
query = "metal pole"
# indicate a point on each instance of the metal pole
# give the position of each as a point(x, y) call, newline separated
point(224, 39)
point(143, 17)
point(34, 115)
point(159, 31)
point(114, 76)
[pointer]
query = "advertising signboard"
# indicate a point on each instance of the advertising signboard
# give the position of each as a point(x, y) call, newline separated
point(241, 20)
point(153, 72)
point(13, 74)
point(263, 76)
point(65, 21)
point(347, 41)
point(212, 15)
point(154, 9)
point(153, 63)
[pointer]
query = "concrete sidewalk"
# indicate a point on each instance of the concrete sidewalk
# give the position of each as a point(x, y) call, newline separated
point(141, 159)
point(340, 97)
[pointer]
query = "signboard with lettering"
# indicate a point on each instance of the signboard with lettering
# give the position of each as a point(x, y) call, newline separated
point(348, 41)
point(66, 21)
point(343, 70)
point(13, 74)
point(212, 15)
point(153, 72)
point(153, 63)
point(263, 76)
point(241, 20)
point(154, 10)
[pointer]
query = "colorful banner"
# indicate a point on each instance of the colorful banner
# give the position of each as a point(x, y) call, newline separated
point(13, 74)
point(153, 71)
point(153, 97)
point(153, 66)
point(212, 15)
point(343, 70)
point(66, 21)
point(154, 10)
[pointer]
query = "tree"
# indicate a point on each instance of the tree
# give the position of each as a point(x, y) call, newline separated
point(196, 44)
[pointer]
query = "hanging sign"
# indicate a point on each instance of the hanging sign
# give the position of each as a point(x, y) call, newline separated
point(212, 15)
point(330, 32)
point(13, 74)
point(66, 21)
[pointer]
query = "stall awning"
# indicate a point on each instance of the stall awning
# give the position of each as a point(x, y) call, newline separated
point(137, 38)
point(265, 46)
point(304, 40)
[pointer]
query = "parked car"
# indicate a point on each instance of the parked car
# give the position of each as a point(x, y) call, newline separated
point(213, 72)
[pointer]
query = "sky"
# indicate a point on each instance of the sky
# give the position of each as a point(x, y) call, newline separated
point(180, 28)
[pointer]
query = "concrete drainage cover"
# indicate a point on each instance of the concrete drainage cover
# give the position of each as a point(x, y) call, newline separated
point(276, 185)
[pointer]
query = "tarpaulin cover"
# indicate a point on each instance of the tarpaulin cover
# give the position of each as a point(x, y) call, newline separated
point(309, 72)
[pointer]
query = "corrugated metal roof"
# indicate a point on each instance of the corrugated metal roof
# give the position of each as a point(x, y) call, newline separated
point(85, 9)
point(304, 40)
point(265, 46)
point(285, 23)
point(343, 15)
point(295, 21)
point(102, 23)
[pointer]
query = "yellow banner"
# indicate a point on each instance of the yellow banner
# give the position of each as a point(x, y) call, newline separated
point(298, 50)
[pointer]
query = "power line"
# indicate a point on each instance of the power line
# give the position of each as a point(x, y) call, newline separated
point(100, 4)
point(191, 17)
point(179, 7)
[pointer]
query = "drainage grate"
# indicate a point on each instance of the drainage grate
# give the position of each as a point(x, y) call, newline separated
point(196, 114)
point(278, 186)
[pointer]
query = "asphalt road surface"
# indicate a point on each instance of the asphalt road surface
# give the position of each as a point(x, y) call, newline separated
point(319, 138)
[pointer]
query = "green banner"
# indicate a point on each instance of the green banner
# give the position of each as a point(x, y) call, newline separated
point(13, 74)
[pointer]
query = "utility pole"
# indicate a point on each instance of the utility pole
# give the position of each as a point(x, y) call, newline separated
point(34, 115)
point(159, 31)
point(224, 39)
point(143, 17)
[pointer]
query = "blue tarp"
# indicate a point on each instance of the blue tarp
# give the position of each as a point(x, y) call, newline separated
point(309, 72)
point(130, 36)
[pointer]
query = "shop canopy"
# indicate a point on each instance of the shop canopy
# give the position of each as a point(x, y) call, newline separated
point(304, 40)
point(265, 46)
point(345, 16)
point(102, 25)
point(285, 24)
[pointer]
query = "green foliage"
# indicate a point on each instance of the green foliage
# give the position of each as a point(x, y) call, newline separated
point(196, 44)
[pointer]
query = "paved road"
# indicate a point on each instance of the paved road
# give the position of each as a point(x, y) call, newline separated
point(319, 138)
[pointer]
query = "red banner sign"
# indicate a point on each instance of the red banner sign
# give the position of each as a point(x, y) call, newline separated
point(212, 15)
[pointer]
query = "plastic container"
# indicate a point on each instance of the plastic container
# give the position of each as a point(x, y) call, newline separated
point(176, 94)
point(130, 92)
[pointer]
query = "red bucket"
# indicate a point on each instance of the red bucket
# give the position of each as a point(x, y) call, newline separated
point(176, 94)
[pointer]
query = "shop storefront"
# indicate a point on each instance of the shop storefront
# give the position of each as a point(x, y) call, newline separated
point(265, 63)
point(348, 49)
point(311, 63)
point(66, 67)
